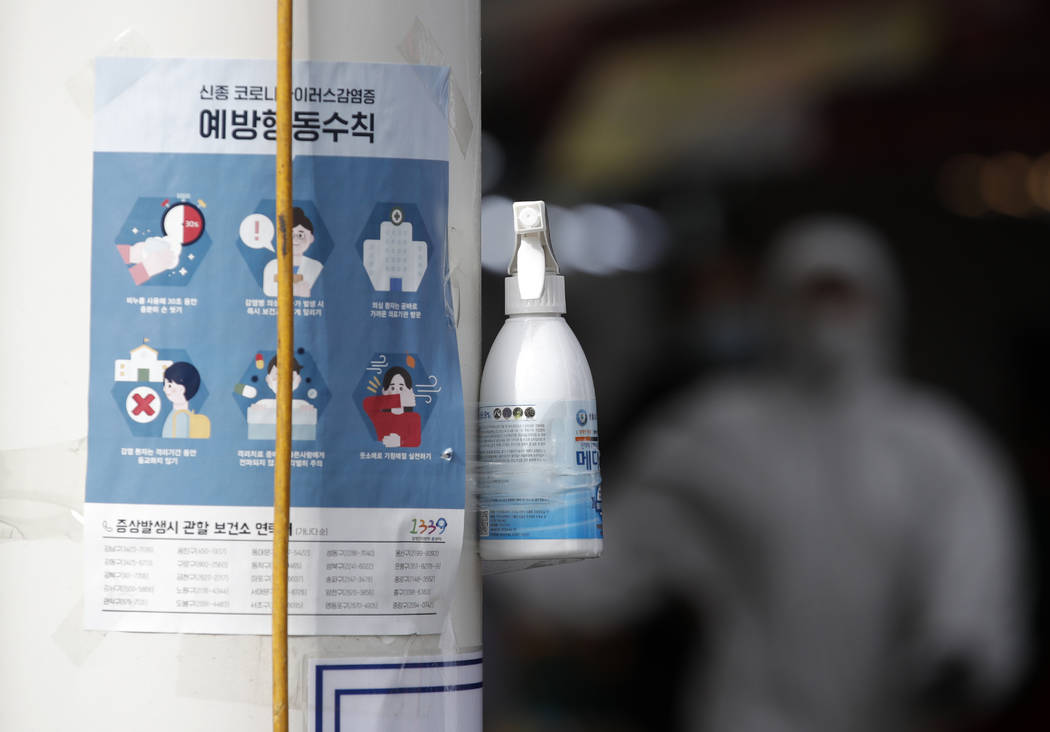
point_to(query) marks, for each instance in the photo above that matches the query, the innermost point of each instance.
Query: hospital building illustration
(395, 257)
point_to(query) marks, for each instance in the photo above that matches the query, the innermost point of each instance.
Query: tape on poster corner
(420, 47)
(447, 640)
(71, 637)
(42, 491)
(81, 84)
(459, 118)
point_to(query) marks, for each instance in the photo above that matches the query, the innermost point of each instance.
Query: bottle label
(539, 471)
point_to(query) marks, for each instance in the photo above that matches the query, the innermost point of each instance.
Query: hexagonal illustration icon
(163, 241)
(257, 237)
(160, 393)
(395, 397)
(256, 395)
(394, 248)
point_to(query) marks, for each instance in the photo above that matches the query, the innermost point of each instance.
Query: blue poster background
(223, 338)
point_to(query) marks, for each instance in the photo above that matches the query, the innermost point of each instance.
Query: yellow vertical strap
(285, 339)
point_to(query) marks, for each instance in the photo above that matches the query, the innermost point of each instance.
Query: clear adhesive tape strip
(420, 47)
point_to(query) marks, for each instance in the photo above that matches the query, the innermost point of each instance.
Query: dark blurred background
(672, 141)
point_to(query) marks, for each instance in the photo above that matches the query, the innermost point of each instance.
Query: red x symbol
(142, 404)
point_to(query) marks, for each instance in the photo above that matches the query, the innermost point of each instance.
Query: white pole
(55, 675)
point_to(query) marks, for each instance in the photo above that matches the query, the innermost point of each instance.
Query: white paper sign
(433, 693)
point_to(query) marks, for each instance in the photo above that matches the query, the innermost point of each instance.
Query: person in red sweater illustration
(393, 414)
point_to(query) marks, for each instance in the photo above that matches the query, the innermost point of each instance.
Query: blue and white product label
(183, 382)
(540, 476)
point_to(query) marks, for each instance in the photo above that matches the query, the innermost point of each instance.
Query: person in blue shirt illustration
(306, 270)
(181, 383)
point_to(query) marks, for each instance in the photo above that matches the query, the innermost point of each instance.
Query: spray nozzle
(533, 258)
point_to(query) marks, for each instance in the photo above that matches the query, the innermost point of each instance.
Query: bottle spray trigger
(533, 258)
(539, 482)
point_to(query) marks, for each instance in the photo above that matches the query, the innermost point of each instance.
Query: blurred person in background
(848, 540)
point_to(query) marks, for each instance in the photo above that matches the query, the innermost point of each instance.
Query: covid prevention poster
(183, 380)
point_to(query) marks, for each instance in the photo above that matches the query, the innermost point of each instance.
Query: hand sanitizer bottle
(540, 486)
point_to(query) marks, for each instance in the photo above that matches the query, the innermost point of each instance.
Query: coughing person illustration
(181, 383)
(262, 415)
(393, 414)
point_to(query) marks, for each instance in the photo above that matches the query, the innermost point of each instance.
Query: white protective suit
(850, 539)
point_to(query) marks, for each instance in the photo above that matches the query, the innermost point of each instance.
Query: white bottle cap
(534, 285)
